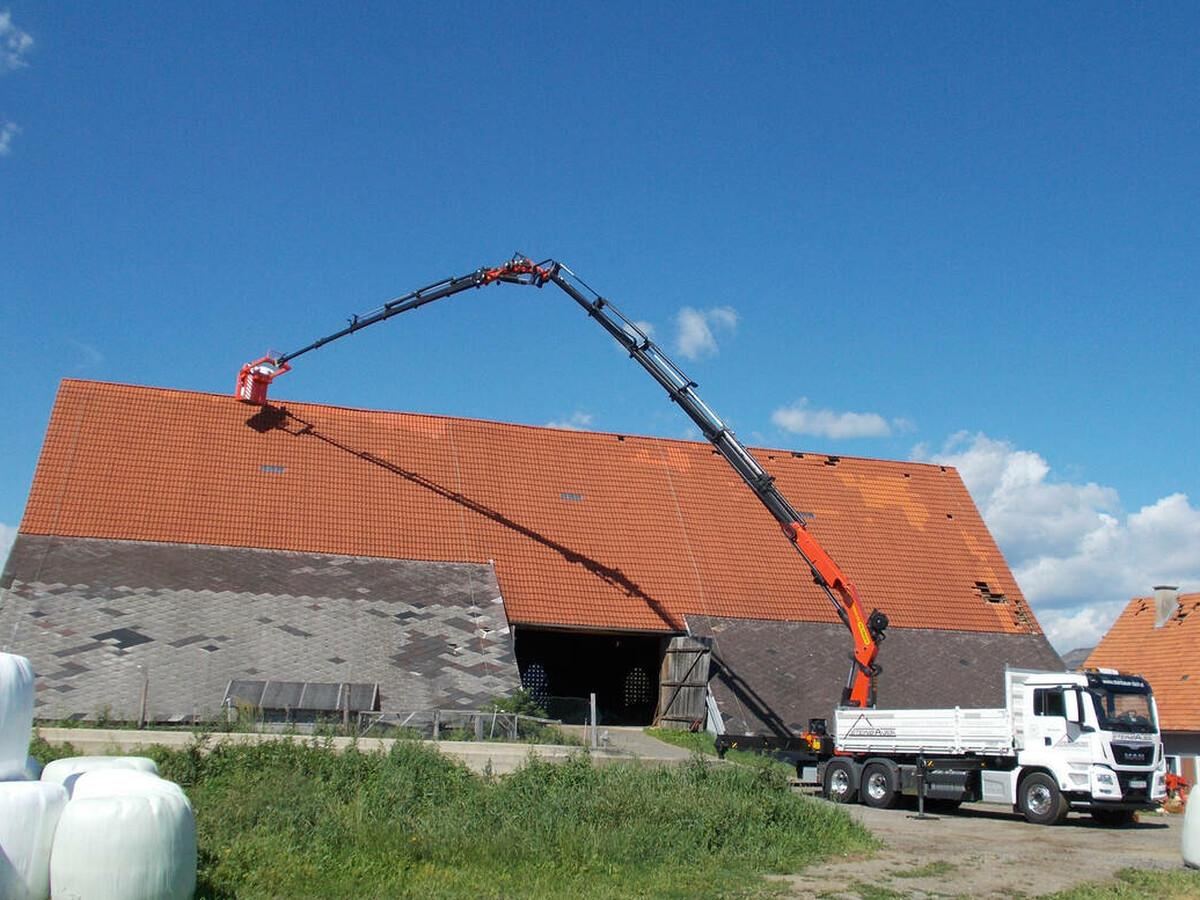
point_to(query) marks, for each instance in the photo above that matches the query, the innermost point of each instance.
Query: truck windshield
(1122, 708)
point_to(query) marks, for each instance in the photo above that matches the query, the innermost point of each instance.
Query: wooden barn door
(683, 687)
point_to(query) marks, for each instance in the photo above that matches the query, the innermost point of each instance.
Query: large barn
(175, 542)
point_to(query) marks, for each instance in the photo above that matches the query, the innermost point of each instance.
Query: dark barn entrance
(561, 668)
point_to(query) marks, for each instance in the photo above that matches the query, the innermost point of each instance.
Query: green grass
(291, 820)
(864, 891)
(702, 742)
(929, 870)
(696, 741)
(1136, 884)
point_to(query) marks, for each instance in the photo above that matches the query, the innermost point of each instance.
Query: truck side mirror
(1071, 705)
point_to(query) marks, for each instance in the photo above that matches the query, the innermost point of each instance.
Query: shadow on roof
(280, 418)
(748, 698)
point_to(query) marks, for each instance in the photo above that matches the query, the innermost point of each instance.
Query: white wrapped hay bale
(125, 835)
(124, 783)
(16, 714)
(1191, 830)
(33, 769)
(29, 815)
(67, 771)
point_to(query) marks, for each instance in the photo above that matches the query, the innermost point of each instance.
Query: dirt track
(987, 851)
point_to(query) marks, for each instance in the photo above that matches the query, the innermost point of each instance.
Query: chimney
(1166, 601)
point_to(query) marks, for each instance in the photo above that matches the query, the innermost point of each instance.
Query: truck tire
(1040, 800)
(1113, 818)
(879, 788)
(839, 782)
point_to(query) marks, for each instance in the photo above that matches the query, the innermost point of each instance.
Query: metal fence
(455, 725)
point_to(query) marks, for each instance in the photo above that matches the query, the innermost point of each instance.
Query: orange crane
(866, 631)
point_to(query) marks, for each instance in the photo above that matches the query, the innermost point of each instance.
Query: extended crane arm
(867, 632)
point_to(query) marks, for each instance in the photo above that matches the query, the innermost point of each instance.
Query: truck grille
(1133, 754)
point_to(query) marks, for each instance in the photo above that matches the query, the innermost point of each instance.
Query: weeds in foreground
(284, 819)
(702, 742)
(1136, 884)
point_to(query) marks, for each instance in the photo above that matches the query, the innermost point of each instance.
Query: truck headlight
(1160, 786)
(1104, 783)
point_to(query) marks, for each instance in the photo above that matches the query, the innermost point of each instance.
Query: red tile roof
(1167, 657)
(586, 529)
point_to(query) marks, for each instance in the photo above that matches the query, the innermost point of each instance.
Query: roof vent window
(574, 498)
(272, 470)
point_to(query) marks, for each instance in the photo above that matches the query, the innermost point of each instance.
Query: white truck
(1084, 741)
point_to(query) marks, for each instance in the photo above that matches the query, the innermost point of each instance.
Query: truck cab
(1094, 733)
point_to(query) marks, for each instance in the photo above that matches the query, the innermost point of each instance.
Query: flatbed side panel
(924, 731)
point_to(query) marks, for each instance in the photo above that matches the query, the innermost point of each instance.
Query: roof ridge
(590, 433)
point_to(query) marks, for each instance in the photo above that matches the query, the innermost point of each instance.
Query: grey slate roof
(772, 677)
(94, 615)
(1073, 659)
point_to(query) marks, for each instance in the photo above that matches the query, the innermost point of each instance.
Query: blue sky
(974, 227)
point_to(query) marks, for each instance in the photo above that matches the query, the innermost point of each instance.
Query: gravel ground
(984, 850)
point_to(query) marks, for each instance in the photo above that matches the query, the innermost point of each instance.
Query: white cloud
(1078, 627)
(14, 44)
(85, 355)
(799, 419)
(695, 336)
(8, 131)
(1076, 553)
(8, 534)
(577, 421)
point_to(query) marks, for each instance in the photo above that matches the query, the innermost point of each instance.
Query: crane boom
(866, 631)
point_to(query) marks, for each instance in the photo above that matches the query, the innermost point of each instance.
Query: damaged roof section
(587, 530)
(186, 619)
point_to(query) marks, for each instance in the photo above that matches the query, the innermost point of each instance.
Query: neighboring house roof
(586, 529)
(1167, 657)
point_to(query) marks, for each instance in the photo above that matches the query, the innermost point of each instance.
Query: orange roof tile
(1166, 657)
(586, 529)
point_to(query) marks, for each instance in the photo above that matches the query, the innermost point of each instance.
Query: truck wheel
(839, 782)
(1041, 802)
(879, 788)
(1113, 818)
